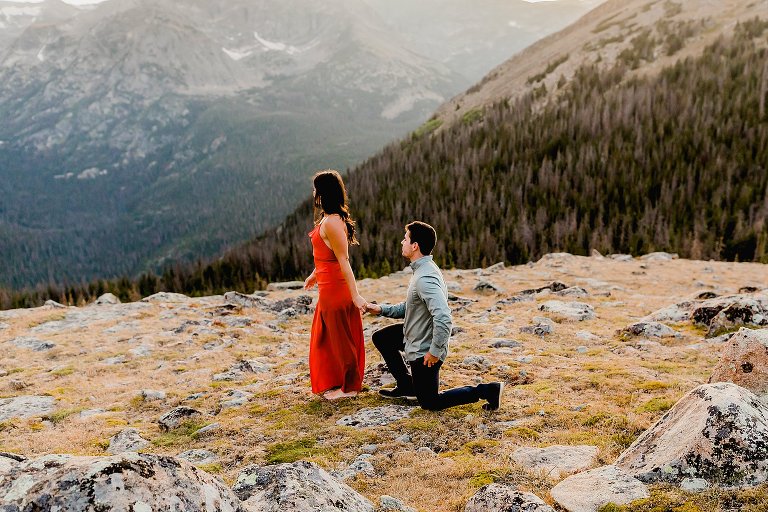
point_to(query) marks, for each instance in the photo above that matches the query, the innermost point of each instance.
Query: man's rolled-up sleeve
(393, 310)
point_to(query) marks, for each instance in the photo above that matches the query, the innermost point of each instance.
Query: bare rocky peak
(646, 35)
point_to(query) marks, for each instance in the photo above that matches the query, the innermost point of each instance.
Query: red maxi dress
(337, 345)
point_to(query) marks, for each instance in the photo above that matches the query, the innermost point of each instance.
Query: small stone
(207, 430)
(127, 440)
(150, 394)
(107, 298)
(198, 457)
(286, 285)
(694, 484)
(487, 286)
(505, 498)
(175, 417)
(376, 416)
(369, 448)
(390, 504)
(405, 439)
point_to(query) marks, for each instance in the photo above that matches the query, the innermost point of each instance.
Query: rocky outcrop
(556, 461)
(298, 487)
(129, 481)
(717, 433)
(588, 491)
(744, 361)
(504, 498)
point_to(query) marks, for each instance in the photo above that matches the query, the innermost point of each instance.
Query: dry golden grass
(604, 394)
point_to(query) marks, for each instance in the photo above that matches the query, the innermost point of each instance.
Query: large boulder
(129, 481)
(503, 498)
(724, 313)
(588, 491)
(717, 433)
(298, 487)
(744, 361)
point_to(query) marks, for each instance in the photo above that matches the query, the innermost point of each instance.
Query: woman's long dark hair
(331, 198)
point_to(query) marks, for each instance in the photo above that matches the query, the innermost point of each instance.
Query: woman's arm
(310, 281)
(336, 232)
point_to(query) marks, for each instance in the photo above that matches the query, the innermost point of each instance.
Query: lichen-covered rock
(556, 460)
(504, 498)
(127, 440)
(676, 313)
(717, 432)
(575, 311)
(175, 417)
(32, 343)
(590, 490)
(8, 461)
(376, 416)
(727, 312)
(25, 406)
(650, 330)
(129, 481)
(298, 487)
(744, 361)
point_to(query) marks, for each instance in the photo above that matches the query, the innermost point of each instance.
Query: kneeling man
(423, 336)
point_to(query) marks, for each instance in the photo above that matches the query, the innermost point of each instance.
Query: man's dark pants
(423, 381)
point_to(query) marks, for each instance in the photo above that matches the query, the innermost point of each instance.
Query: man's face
(409, 248)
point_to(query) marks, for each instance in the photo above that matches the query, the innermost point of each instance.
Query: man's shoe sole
(404, 397)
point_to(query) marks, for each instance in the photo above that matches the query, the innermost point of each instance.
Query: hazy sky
(71, 2)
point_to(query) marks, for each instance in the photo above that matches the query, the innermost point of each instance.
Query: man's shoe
(398, 393)
(495, 390)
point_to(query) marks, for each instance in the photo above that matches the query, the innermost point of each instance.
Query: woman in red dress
(336, 348)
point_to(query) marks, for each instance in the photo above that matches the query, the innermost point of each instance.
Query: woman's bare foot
(335, 394)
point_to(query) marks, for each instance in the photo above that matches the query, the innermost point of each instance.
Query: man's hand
(430, 360)
(373, 309)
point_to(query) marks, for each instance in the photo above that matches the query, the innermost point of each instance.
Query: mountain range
(136, 134)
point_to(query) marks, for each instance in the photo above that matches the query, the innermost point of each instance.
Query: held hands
(430, 360)
(359, 303)
(373, 309)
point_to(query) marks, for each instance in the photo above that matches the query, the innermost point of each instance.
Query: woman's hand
(310, 282)
(359, 303)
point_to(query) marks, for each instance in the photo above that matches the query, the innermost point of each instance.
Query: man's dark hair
(424, 235)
